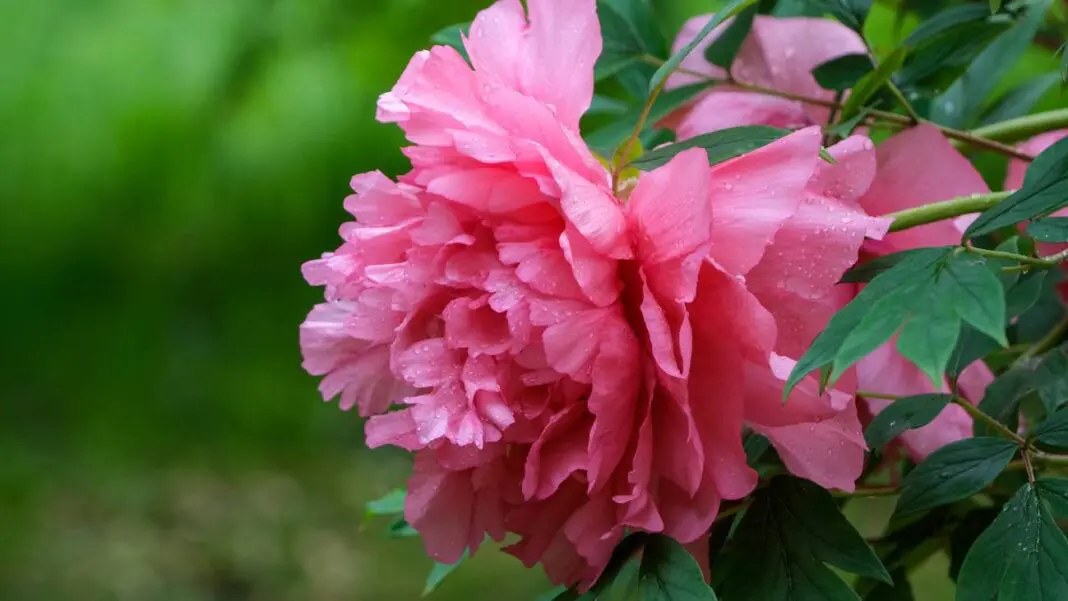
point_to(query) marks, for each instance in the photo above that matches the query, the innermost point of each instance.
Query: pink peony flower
(565, 363)
(779, 53)
(916, 167)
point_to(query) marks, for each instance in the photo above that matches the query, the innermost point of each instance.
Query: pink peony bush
(565, 361)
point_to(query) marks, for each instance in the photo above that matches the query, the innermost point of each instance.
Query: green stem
(1024, 127)
(947, 209)
(875, 491)
(1045, 262)
(979, 415)
(904, 102)
(1046, 343)
(620, 160)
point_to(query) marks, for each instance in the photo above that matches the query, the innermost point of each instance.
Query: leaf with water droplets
(1022, 555)
(906, 413)
(954, 472)
(1050, 229)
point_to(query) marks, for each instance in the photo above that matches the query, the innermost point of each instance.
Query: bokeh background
(165, 168)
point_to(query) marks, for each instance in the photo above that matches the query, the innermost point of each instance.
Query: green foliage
(724, 49)
(1045, 191)
(1054, 431)
(730, 9)
(954, 472)
(453, 36)
(439, 573)
(906, 413)
(843, 73)
(669, 573)
(871, 83)
(1021, 556)
(852, 13)
(721, 145)
(1050, 229)
(783, 542)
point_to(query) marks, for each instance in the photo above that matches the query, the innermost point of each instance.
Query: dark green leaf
(1027, 291)
(1020, 100)
(995, 6)
(755, 446)
(852, 13)
(1023, 555)
(629, 32)
(401, 529)
(731, 8)
(557, 594)
(866, 271)
(669, 573)
(944, 22)
(439, 573)
(1050, 229)
(391, 503)
(621, 555)
(938, 63)
(1045, 190)
(929, 338)
(784, 539)
(971, 346)
(1051, 378)
(1055, 492)
(842, 73)
(1054, 431)
(962, 103)
(975, 294)
(954, 472)
(904, 414)
(920, 266)
(723, 49)
(900, 590)
(453, 36)
(1064, 63)
(872, 83)
(844, 129)
(608, 138)
(963, 537)
(881, 322)
(721, 145)
(604, 105)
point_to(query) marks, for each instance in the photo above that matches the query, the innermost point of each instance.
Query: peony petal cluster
(567, 361)
(913, 168)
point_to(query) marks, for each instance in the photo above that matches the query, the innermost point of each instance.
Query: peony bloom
(917, 167)
(779, 53)
(567, 363)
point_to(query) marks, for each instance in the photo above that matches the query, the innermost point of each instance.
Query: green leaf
(1055, 492)
(628, 32)
(954, 472)
(881, 322)
(1050, 229)
(556, 594)
(995, 6)
(1045, 191)
(920, 266)
(731, 8)
(945, 22)
(866, 271)
(962, 103)
(1022, 555)
(721, 145)
(842, 73)
(1020, 100)
(1026, 293)
(852, 13)
(971, 346)
(392, 503)
(780, 548)
(930, 337)
(907, 413)
(621, 555)
(439, 573)
(1054, 431)
(872, 83)
(900, 590)
(605, 105)
(669, 573)
(401, 529)
(1064, 63)
(606, 139)
(452, 36)
(724, 49)
(975, 294)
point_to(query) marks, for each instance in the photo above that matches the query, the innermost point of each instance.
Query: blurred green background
(165, 168)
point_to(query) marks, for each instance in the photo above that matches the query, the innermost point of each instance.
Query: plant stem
(930, 213)
(878, 395)
(1024, 127)
(875, 491)
(955, 134)
(625, 150)
(904, 102)
(980, 415)
(1046, 343)
(1045, 262)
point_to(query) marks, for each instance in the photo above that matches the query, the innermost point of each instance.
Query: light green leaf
(391, 503)
(731, 8)
(995, 6)
(439, 573)
(1045, 191)
(872, 83)
(1020, 100)
(929, 338)
(954, 472)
